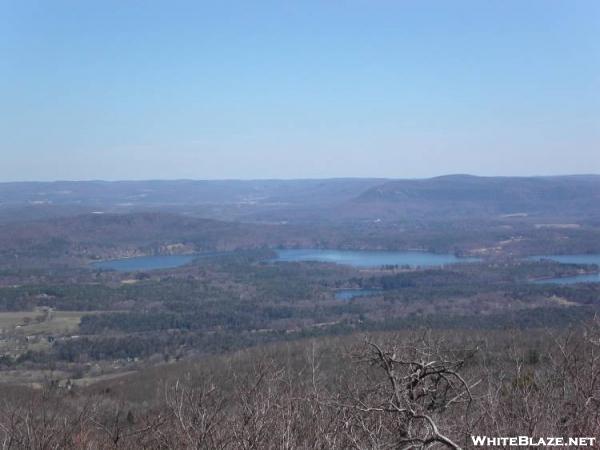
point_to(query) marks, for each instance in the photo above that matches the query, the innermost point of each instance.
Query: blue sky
(282, 89)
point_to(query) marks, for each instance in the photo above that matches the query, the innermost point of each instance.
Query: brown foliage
(411, 391)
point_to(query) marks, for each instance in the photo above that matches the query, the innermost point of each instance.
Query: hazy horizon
(108, 180)
(195, 90)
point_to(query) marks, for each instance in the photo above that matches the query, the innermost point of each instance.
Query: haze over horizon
(133, 179)
(195, 90)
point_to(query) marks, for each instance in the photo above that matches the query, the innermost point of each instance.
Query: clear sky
(122, 89)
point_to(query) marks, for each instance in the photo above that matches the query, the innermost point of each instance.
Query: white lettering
(527, 441)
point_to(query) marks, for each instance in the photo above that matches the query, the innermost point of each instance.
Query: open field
(41, 322)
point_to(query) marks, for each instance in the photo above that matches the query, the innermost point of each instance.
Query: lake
(369, 258)
(144, 263)
(349, 294)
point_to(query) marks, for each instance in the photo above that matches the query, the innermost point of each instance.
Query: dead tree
(417, 387)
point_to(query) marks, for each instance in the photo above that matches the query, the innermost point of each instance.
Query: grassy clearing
(32, 378)
(38, 322)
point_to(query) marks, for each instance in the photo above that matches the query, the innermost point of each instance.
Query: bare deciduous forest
(299, 225)
(235, 347)
(419, 389)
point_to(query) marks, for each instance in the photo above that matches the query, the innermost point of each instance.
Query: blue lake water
(144, 263)
(349, 294)
(368, 258)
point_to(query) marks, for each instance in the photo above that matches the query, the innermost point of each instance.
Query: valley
(149, 295)
(151, 283)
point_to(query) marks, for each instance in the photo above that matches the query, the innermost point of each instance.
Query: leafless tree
(414, 386)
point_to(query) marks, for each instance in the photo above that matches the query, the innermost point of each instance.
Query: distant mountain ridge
(189, 192)
(464, 194)
(468, 187)
(450, 196)
(472, 188)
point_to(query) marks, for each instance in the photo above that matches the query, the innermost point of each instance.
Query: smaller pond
(349, 294)
(144, 263)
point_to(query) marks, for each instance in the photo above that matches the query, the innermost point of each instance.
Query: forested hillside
(565, 197)
(235, 346)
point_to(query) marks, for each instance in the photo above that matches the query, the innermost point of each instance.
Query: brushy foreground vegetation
(414, 389)
(235, 351)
